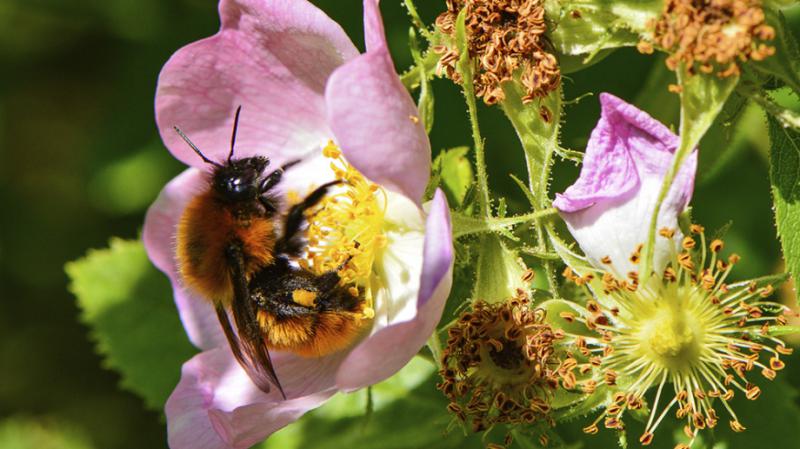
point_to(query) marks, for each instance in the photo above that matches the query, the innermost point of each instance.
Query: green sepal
(555, 307)
(785, 63)
(127, 303)
(702, 99)
(539, 139)
(773, 280)
(499, 271)
(425, 102)
(457, 174)
(579, 264)
(411, 8)
(589, 28)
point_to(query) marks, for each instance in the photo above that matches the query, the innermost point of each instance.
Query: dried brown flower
(500, 365)
(712, 35)
(503, 36)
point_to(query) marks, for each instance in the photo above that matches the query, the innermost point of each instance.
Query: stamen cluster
(503, 37)
(347, 226)
(690, 329)
(501, 366)
(712, 35)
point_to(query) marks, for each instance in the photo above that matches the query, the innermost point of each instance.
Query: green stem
(480, 158)
(415, 19)
(464, 67)
(786, 117)
(539, 254)
(466, 225)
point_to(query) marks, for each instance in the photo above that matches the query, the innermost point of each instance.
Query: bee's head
(235, 180)
(240, 179)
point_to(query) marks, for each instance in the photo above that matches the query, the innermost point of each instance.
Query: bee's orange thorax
(205, 231)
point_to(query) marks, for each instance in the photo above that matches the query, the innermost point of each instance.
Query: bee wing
(247, 342)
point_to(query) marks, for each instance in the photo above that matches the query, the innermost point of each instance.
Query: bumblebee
(305, 313)
(233, 250)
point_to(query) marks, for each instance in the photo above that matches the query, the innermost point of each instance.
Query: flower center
(500, 365)
(686, 327)
(672, 337)
(346, 229)
(508, 357)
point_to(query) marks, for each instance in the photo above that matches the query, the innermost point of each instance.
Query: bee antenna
(194, 147)
(233, 135)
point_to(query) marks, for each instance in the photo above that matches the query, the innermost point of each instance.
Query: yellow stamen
(346, 230)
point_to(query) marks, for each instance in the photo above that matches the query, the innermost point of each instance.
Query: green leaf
(128, 306)
(28, 433)
(767, 418)
(785, 180)
(415, 373)
(417, 418)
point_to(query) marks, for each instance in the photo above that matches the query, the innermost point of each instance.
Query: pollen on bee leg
(368, 313)
(304, 297)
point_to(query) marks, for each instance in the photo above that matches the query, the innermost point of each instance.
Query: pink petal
(609, 170)
(388, 350)
(272, 58)
(374, 34)
(608, 209)
(215, 405)
(197, 314)
(374, 119)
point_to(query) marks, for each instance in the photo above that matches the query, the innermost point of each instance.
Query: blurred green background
(80, 161)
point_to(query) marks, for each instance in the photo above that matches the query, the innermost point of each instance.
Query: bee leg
(328, 280)
(252, 352)
(290, 242)
(270, 181)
